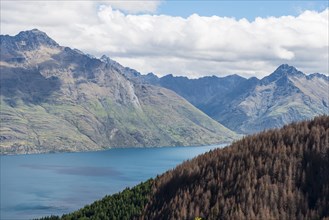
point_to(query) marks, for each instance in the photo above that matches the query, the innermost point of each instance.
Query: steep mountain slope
(285, 96)
(252, 105)
(201, 91)
(54, 98)
(278, 174)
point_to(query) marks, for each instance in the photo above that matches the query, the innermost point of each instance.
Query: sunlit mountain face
(55, 98)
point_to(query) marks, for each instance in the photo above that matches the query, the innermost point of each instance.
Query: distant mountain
(55, 98)
(278, 174)
(252, 105)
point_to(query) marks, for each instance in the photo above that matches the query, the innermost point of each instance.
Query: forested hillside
(278, 174)
(128, 204)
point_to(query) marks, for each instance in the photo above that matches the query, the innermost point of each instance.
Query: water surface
(43, 184)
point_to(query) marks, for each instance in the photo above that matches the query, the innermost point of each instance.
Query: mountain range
(251, 105)
(55, 98)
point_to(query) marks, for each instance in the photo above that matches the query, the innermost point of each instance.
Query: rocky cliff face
(285, 96)
(55, 98)
(252, 105)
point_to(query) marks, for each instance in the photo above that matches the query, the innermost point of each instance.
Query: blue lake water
(43, 184)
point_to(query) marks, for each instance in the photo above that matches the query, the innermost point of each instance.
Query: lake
(43, 184)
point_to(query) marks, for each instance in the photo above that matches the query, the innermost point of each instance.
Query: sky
(187, 38)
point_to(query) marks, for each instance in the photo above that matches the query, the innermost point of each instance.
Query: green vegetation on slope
(102, 123)
(60, 99)
(278, 174)
(125, 205)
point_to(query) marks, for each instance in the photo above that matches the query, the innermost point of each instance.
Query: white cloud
(192, 46)
(135, 6)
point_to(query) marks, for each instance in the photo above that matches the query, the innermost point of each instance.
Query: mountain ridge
(252, 105)
(55, 98)
(243, 105)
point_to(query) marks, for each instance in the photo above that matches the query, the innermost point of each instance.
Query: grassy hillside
(102, 123)
(57, 99)
(278, 174)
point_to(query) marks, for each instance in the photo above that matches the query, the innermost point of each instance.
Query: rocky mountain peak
(283, 71)
(28, 40)
(36, 38)
(169, 76)
(105, 59)
(318, 75)
(151, 78)
(286, 68)
(108, 60)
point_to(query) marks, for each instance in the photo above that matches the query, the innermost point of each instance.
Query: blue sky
(239, 9)
(186, 39)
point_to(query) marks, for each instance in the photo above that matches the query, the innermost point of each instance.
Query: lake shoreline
(100, 150)
(37, 185)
